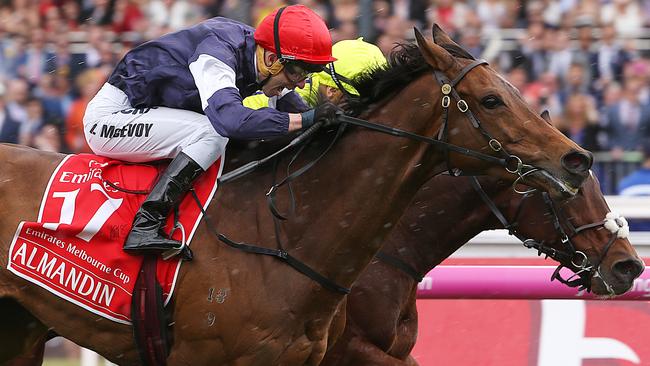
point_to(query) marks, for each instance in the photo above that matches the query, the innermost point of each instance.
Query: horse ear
(441, 37)
(547, 117)
(436, 56)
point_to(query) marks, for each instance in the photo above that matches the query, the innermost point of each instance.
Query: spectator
(63, 61)
(34, 122)
(53, 22)
(610, 58)
(560, 52)
(48, 138)
(126, 17)
(395, 29)
(16, 55)
(97, 12)
(586, 13)
(552, 12)
(471, 41)
(262, 8)
(71, 14)
(33, 65)
(96, 38)
(448, 14)
(411, 10)
(628, 120)
(624, 16)
(9, 128)
(638, 70)
(580, 122)
(585, 54)
(575, 82)
(638, 183)
(171, 15)
(17, 95)
(107, 57)
(89, 82)
(544, 94)
(491, 13)
(532, 50)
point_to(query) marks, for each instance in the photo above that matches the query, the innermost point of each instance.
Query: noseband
(568, 257)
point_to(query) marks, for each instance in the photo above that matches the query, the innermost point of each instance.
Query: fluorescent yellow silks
(353, 58)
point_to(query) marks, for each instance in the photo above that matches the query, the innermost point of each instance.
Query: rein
(511, 163)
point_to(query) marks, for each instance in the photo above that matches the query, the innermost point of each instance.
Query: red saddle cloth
(75, 248)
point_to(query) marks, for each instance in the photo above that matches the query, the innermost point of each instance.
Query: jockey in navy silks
(180, 97)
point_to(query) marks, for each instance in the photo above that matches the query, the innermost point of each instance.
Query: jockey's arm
(215, 78)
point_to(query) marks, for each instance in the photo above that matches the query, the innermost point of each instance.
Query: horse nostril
(578, 161)
(628, 269)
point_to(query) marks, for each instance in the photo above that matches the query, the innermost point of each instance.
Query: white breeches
(116, 130)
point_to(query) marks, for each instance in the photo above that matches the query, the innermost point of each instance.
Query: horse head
(582, 234)
(466, 90)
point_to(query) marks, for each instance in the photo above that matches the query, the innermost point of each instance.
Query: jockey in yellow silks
(354, 57)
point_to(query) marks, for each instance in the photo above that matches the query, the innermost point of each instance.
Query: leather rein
(511, 163)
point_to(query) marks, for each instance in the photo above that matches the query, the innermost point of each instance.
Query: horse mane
(405, 64)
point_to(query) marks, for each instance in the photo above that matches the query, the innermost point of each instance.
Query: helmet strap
(339, 80)
(267, 71)
(276, 33)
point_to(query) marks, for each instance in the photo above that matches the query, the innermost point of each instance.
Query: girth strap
(280, 254)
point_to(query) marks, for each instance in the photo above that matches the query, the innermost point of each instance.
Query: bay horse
(345, 206)
(381, 327)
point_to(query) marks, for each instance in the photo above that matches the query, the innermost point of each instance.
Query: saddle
(74, 248)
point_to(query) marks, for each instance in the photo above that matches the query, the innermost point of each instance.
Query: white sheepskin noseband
(617, 224)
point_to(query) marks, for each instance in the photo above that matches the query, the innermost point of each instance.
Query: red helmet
(296, 33)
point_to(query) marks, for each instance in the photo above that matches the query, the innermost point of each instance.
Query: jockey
(180, 97)
(353, 58)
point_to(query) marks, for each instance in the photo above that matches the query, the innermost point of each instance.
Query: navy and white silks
(184, 92)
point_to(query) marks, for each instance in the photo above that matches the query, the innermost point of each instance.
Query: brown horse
(381, 326)
(273, 314)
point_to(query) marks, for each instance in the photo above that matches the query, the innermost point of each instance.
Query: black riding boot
(174, 182)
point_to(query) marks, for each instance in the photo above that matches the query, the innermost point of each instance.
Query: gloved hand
(325, 112)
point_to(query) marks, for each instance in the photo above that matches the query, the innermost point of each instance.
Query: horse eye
(491, 102)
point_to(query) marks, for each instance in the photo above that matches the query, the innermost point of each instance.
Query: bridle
(568, 257)
(511, 163)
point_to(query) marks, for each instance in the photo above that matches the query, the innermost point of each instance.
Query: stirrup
(184, 250)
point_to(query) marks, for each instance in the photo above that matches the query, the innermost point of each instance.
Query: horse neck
(357, 193)
(444, 215)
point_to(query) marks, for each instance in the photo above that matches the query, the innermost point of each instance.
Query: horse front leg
(22, 336)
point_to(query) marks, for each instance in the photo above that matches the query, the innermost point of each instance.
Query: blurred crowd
(583, 60)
